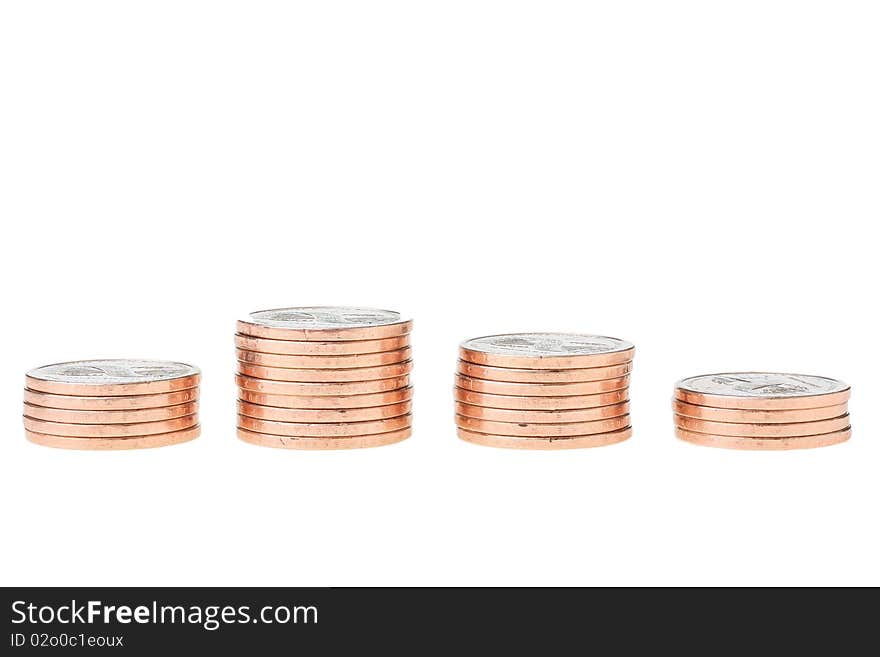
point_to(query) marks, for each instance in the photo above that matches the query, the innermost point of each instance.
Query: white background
(699, 178)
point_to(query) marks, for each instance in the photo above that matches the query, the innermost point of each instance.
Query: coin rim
(321, 348)
(339, 334)
(763, 404)
(542, 403)
(542, 389)
(326, 362)
(195, 370)
(791, 402)
(325, 375)
(296, 401)
(131, 416)
(520, 429)
(115, 444)
(119, 402)
(289, 414)
(119, 430)
(519, 375)
(323, 444)
(764, 430)
(358, 428)
(463, 343)
(758, 416)
(763, 444)
(534, 417)
(580, 361)
(318, 389)
(113, 389)
(556, 443)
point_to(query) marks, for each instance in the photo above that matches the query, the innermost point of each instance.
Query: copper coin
(313, 415)
(541, 403)
(540, 389)
(763, 430)
(293, 348)
(110, 430)
(129, 442)
(121, 403)
(328, 402)
(324, 323)
(324, 430)
(110, 417)
(325, 362)
(325, 376)
(542, 417)
(739, 442)
(748, 416)
(111, 378)
(546, 351)
(762, 391)
(321, 389)
(542, 430)
(523, 442)
(543, 376)
(342, 442)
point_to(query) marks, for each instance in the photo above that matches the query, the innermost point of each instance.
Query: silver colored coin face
(546, 344)
(113, 371)
(324, 317)
(762, 384)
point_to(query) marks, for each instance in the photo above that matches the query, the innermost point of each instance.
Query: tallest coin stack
(324, 378)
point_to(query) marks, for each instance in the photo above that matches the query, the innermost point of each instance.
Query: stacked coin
(761, 411)
(324, 378)
(112, 404)
(543, 390)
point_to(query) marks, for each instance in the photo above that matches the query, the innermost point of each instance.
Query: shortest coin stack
(543, 390)
(112, 404)
(324, 378)
(762, 411)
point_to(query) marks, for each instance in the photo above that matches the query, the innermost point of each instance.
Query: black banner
(413, 621)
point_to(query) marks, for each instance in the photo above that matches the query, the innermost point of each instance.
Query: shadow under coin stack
(324, 378)
(112, 404)
(543, 390)
(761, 411)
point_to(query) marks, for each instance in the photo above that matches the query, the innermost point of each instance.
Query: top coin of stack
(543, 390)
(112, 404)
(762, 411)
(324, 378)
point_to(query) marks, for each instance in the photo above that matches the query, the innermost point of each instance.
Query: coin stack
(324, 378)
(761, 411)
(543, 390)
(112, 404)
